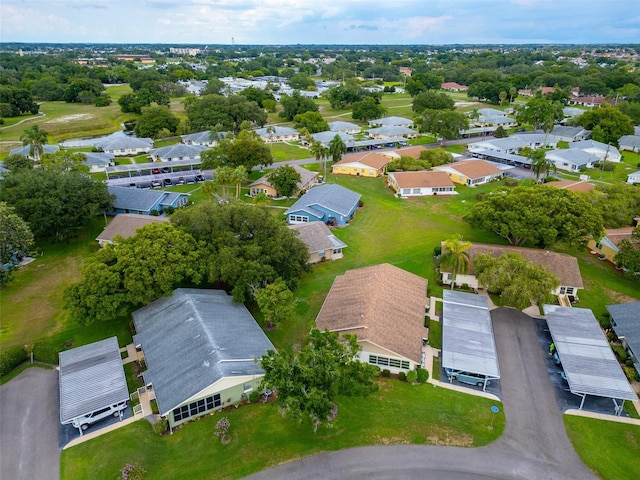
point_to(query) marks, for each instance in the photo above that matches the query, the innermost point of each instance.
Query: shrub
(10, 358)
(254, 396)
(412, 376)
(402, 376)
(46, 353)
(437, 251)
(222, 427)
(386, 373)
(605, 322)
(423, 375)
(620, 352)
(132, 471)
(161, 426)
(169, 209)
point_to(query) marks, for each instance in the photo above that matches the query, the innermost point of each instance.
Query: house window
(344, 168)
(390, 362)
(566, 290)
(372, 172)
(599, 246)
(416, 191)
(247, 387)
(406, 191)
(298, 219)
(196, 408)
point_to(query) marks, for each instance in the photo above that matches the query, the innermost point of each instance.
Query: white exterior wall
(369, 348)
(633, 178)
(423, 192)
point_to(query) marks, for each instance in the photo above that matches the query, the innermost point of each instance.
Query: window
(196, 408)
(247, 387)
(372, 172)
(298, 218)
(599, 246)
(406, 191)
(416, 191)
(391, 362)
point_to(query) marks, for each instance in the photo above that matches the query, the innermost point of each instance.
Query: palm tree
(540, 165)
(337, 148)
(271, 131)
(224, 177)
(455, 257)
(36, 139)
(238, 177)
(319, 152)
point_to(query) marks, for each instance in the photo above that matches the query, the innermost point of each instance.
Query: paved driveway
(534, 445)
(29, 426)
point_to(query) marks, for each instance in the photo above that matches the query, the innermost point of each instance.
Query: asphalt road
(29, 426)
(534, 444)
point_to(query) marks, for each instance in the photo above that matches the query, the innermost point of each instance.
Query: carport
(589, 364)
(467, 335)
(91, 378)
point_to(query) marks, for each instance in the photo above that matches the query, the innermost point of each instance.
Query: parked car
(167, 182)
(469, 378)
(156, 183)
(87, 420)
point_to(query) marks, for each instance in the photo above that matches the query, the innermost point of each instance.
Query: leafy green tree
(421, 82)
(154, 119)
(36, 139)
(347, 94)
(320, 152)
(246, 149)
(367, 109)
(607, 124)
(308, 381)
(541, 215)
(500, 132)
(432, 101)
(246, 246)
(227, 113)
(455, 257)
(17, 162)
(285, 180)
(209, 188)
(15, 235)
(56, 204)
(64, 160)
(436, 156)
(239, 177)
(134, 272)
(301, 81)
(540, 113)
(223, 177)
(618, 203)
(296, 104)
(257, 95)
(519, 282)
(16, 101)
(276, 302)
(312, 121)
(540, 165)
(337, 148)
(445, 124)
(215, 86)
(628, 256)
(76, 88)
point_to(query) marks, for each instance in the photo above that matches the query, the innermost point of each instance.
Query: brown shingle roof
(305, 177)
(126, 225)
(370, 159)
(574, 186)
(422, 179)
(382, 304)
(565, 267)
(616, 234)
(474, 168)
(413, 152)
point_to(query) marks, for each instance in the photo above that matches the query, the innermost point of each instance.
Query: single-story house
(570, 134)
(120, 144)
(633, 177)
(323, 245)
(592, 101)
(565, 267)
(345, 127)
(495, 120)
(453, 87)
(25, 151)
(490, 112)
(364, 164)
(205, 138)
(515, 143)
(202, 352)
(572, 111)
(471, 172)
(601, 150)
(384, 306)
(421, 183)
(92, 378)
(630, 143)
(573, 185)
(274, 133)
(392, 131)
(571, 159)
(329, 203)
(98, 161)
(413, 152)
(178, 151)
(143, 201)
(325, 137)
(607, 247)
(125, 226)
(389, 121)
(625, 321)
(262, 185)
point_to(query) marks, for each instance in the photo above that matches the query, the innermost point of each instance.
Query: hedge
(10, 358)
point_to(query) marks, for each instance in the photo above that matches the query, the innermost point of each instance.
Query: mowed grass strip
(397, 414)
(610, 449)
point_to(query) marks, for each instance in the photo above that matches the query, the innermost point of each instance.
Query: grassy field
(397, 414)
(611, 449)
(285, 151)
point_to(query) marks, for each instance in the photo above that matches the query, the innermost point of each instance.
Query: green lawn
(397, 414)
(611, 449)
(284, 151)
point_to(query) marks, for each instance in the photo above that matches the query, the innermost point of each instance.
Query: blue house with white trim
(328, 203)
(143, 202)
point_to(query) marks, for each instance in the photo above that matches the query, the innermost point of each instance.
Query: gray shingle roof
(120, 141)
(630, 141)
(202, 137)
(178, 150)
(331, 196)
(627, 323)
(91, 378)
(98, 158)
(391, 121)
(563, 131)
(575, 156)
(326, 137)
(195, 338)
(587, 359)
(135, 198)
(278, 131)
(392, 130)
(584, 144)
(26, 149)
(343, 126)
(317, 236)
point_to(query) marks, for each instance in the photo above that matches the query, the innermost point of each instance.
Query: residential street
(534, 445)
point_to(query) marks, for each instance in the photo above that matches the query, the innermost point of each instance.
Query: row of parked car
(170, 181)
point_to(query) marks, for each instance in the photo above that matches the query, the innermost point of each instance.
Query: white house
(571, 159)
(421, 183)
(630, 143)
(346, 127)
(633, 177)
(601, 150)
(390, 121)
(179, 151)
(274, 133)
(570, 134)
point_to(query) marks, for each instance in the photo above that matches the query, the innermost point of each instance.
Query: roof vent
(206, 363)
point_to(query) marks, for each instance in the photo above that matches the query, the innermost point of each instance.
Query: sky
(285, 22)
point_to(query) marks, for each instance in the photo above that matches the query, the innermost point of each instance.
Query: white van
(84, 422)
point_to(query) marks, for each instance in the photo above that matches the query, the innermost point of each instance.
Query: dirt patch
(72, 118)
(631, 439)
(443, 436)
(465, 104)
(392, 441)
(619, 297)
